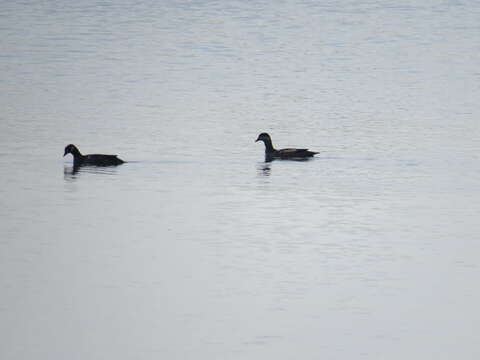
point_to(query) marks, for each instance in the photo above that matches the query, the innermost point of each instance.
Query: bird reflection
(69, 172)
(73, 172)
(264, 169)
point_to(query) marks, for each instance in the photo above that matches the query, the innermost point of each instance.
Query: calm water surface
(197, 248)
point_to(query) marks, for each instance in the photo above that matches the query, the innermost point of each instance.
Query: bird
(271, 153)
(92, 159)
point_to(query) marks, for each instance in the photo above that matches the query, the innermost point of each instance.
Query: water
(196, 248)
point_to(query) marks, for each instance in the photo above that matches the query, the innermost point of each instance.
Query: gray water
(198, 249)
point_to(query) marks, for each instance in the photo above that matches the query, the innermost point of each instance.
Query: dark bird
(271, 153)
(92, 159)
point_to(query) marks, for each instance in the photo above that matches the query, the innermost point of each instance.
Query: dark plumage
(93, 159)
(271, 153)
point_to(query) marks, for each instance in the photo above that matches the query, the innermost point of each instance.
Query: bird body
(91, 159)
(290, 153)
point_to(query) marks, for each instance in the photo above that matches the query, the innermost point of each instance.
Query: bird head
(263, 137)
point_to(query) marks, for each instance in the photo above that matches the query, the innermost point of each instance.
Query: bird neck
(76, 153)
(268, 145)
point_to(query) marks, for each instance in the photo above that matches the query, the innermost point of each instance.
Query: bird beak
(65, 153)
(258, 139)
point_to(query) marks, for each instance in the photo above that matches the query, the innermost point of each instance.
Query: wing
(296, 153)
(100, 159)
(101, 156)
(292, 151)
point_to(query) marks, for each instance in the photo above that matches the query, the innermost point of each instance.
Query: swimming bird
(271, 153)
(92, 159)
